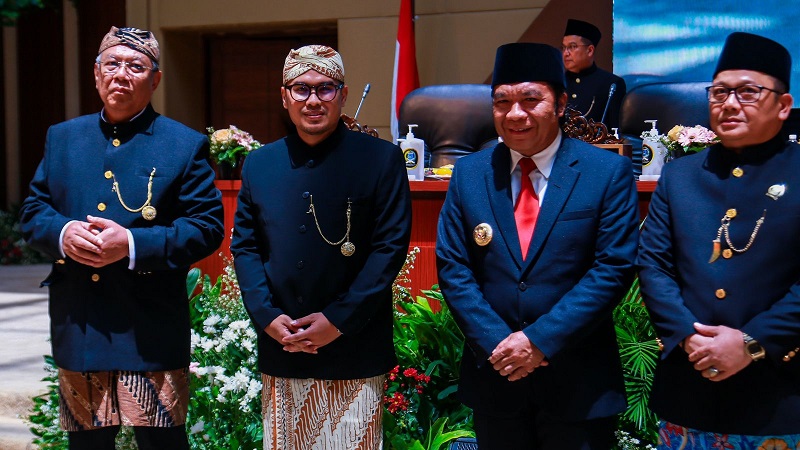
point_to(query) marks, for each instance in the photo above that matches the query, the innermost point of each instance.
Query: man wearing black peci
(589, 87)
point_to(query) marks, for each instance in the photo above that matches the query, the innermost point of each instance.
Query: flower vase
(675, 153)
(225, 171)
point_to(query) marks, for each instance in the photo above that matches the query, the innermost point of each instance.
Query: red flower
(396, 402)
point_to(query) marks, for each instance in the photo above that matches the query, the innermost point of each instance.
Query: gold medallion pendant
(148, 212)
(348, 248)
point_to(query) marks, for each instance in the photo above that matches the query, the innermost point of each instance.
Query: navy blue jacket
(113, 318)
(285, 267)
(761, 285)
(580, 263)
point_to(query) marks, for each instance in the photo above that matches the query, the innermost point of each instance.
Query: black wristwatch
(753, 348)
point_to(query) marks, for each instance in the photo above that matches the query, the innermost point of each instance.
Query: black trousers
(147, 438)
(540, 431)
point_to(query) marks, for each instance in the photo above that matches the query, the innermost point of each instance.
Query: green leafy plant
(11, 10)
(639, 349)
(225, 400)
(43, 420)
(422, 410)
(13, 248)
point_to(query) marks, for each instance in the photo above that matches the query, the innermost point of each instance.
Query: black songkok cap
(583, 29)
(745, 51)
(527, 61)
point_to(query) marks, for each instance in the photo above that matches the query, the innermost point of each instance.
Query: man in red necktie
(536, 243)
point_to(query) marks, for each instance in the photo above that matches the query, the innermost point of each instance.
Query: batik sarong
(90, 400)
(303, 414)
(674, 437)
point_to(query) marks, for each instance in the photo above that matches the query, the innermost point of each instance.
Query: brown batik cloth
(91, 400)
(301, 414)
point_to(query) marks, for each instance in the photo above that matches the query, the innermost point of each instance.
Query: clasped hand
(97, 242)
(306, 334)
(719, 347)
(515, 357)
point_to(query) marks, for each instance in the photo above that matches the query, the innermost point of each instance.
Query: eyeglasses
(746, 93)
(572, 47)
(326, 92)
(135, 69)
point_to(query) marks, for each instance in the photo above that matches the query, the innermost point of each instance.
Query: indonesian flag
(405, 78)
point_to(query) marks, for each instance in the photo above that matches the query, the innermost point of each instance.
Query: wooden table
(427, 198)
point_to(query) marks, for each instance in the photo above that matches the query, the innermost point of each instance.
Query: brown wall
(549, 25)
(95, 18)
(3, 188)
(41, 86)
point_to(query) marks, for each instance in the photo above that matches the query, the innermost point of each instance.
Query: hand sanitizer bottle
(414, 154)
(654, 153)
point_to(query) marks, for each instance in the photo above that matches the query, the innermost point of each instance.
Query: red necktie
(527, 209)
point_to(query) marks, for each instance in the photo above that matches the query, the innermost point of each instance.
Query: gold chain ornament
(148, 211)
(347, 247)
(724, 230)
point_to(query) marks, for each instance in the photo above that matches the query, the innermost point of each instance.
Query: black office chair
(454, 120)
(464, 444)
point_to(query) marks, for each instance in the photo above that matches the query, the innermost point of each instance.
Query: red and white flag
(406, 77)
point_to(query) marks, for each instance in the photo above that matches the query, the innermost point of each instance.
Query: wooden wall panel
(95, 18)
(245, 75)
(3, 188)
(41, 86)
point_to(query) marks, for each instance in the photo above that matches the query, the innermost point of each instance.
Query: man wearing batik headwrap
(124, 202)
(719, 266)
(588, 86)
(321, 231)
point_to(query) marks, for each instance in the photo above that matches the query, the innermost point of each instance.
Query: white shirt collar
(544, 159)
(103, 115)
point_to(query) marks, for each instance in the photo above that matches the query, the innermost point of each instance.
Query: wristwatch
(753, 348)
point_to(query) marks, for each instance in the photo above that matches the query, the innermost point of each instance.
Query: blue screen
(680, 40)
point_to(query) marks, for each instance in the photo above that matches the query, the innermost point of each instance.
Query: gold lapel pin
(482, 234)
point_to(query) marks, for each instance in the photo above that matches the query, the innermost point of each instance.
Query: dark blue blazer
(761, 286)
(112, 317)
(579, 265)
(284, 266)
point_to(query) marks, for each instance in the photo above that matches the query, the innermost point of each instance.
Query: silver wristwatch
(753, 348)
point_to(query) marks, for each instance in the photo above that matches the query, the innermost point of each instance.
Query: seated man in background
(594, 92)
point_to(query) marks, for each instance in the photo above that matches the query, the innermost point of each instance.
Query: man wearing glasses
(719, 266)
(124, 202)
(592, 91)
(321, 231)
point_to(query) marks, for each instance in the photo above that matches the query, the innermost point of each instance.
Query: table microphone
(363, 96)
(611, 90)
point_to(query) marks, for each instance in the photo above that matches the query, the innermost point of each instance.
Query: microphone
(363, 96)
(611, 90)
